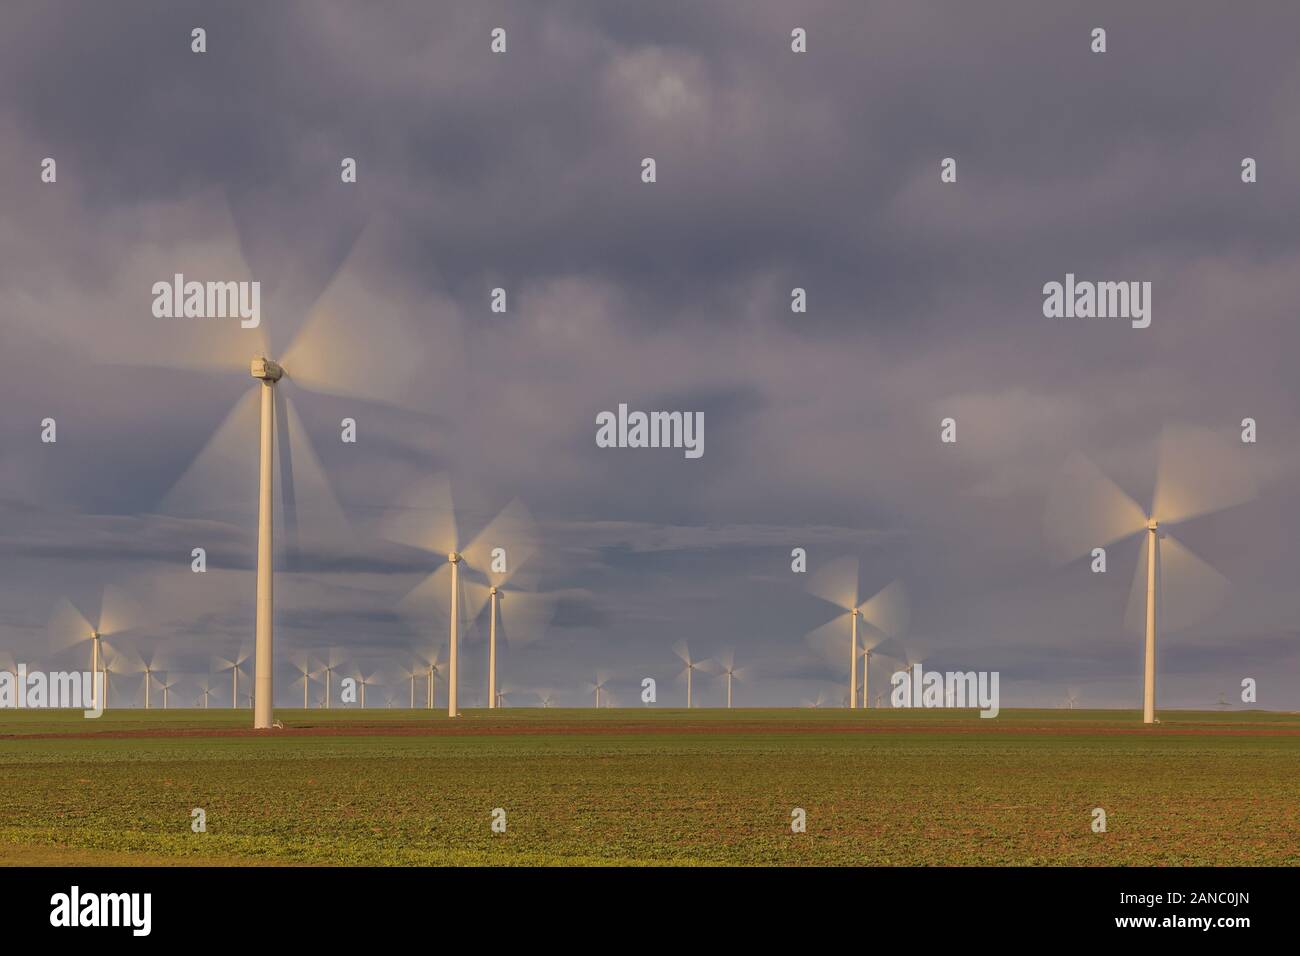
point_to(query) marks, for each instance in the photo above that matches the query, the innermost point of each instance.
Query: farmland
(648, 787)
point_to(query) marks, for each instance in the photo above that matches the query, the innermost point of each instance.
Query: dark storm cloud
(775, 170)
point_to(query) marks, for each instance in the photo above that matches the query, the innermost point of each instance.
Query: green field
(650, 787)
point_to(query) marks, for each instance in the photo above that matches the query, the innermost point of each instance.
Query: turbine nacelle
(267, 370)
(1152, 524)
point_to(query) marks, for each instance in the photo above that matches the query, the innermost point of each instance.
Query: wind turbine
(206, 689)
(333, 661)
(819, 702)
(233, 665)
(426, 519)
(346, 345)
(691, 666)
(598, 685)
(364, 681)
(728, 663)
(1196, 474)
(149, 666)
(167, 685)
(523, 618)
(302, 664)
(1072, 697)
(547, 697)
(68, 627)
(884, 613)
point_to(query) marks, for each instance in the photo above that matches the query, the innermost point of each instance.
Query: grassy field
(650, 787)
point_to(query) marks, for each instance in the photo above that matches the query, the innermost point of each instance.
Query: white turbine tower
(333, 661)
(167, 685)
(1197, 473)
(426, 519)
(234, 665)
(523, 616)
(348, 343)
(598, 685)
(69, 627)
(302, 664)
(727, 661)
(884, 615)
(689, 668)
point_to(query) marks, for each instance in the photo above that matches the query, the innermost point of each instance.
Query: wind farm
(317, 520)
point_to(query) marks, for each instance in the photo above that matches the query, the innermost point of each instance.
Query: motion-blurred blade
(308, 507)
(1198, 473)
(525, 615)
(119, 611)
(514, 533)
(1087, 510)
(356, 343)
(831, 640)
(68, 626)
(682, 651)
(424, 517)
(221, 481)
(1188, 589)
(887, 611)
(837, 582)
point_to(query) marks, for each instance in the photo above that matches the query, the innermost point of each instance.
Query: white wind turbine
(547, 697)
(167, 685)
(344, 346)
(1072, 697)
(1196, 474)
(148, 666)
(365, 680)
(819, 702)
(426, 519)
(884, 615)
(727, 661)
(205, 689)
(234, 665)
(689, 667)
(302, 664)
(523, 615)
(69, 627)
(598, 685)
(333, 661)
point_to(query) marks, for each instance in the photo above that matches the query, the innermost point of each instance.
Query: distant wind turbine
(68, 627)
(426, 519)
(691, 666)
(884, 614)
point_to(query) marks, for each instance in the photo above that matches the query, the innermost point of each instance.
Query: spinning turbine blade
(221, 481)
(837, 582)
(334, 352)
(67, 625)
(1187, 588)
(515, 532)
(831, 640)
(887, 611)
(1087, 510)
(425, 518)
(1199, 473)
(307, 498)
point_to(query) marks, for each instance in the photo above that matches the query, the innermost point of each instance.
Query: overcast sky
(775, 169)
